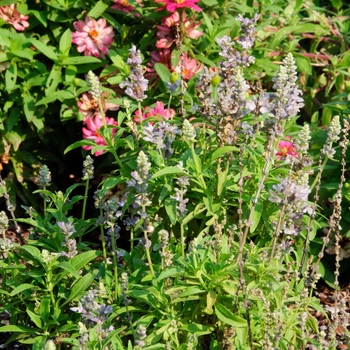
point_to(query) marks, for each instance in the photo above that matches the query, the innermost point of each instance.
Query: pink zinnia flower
(158, 112)
(93, 37)
(173, 5)
(89, 107)
(124, 6)
(286, 149)
(91, 132)
(190, 67)
(167, 31)
(11, 15)
(160, 56)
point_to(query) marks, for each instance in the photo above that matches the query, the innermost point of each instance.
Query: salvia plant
(207, 231)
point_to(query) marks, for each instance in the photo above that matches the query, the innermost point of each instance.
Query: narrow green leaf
(44, 49)
(98, 9)
(170, 170)
(59, 95)
(35, 252)
(80, 60)
(66, 42)
(35, 318)
(191, 291)
(80, 287)
(226, 316)
(21, 288)
(79, 144)
(45, 308)
(163, 72)
(81, 260)
(65, 265)
(18, 329)
(11, 76)
(172, 272)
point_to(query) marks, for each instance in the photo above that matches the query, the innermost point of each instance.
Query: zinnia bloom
(93, 37)
(190, 67)
(168, 30)
(11, 15)
(286, 149)
(91, 132)
(89, 107)
(158, 112)
(124, 6)
(160, 56)
(173, 5)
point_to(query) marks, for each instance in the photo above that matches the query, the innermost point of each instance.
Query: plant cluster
(205, 232)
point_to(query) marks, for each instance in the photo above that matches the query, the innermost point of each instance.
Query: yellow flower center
(93, 33)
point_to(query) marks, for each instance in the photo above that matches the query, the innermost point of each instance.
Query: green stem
(182, 237)
(319, 173)
(103, 244)
(84, 204)
(148, 253)
(115, 265)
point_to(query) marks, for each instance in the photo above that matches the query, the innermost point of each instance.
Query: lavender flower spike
(136, 84)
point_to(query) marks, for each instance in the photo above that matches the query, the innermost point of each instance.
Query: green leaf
(65, 265)
(44, 49)
(191, 291)
(79, 144)
(18, 329)
(172, 272)
(171, 209)
(221, 151)
(35, 252)
(11, 76)
(80, 60)
(21, 288)
(228, 317)
(256, 216)
(98, 9)
(303, 64)
(55, 77)
(81, 260)
(59, 95)
(29, 107)
(163, 72)
(170, 170)
(45, 308)
(35, 318)
(66, 42)
(80, 287)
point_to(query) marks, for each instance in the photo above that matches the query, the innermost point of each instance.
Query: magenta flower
(158, 112)
(91, 132)
(124, 6)
(160, 56)
(173, 5)
(11, 15)
(93, 37)
(286, 149)
(167, 31)
(190, 67)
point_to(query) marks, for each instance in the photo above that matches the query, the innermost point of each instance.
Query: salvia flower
(68, 229)
(4, 220)
(44, 178)
(287, 101)
(88, 168)
(188, 131)
(141, 175)
(141, 333)
(94, 84)
(173, 5)
(249, 30)
(93, 37)
(302, 141)
(136, 84)
(11, 15)
(293, 197)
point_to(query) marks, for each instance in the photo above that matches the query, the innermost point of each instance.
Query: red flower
(286, 149)
(173, 5)
(124, 6)
(167, 31)
(190, 67)
(158, 111)
(160, 56)
(91, 132)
